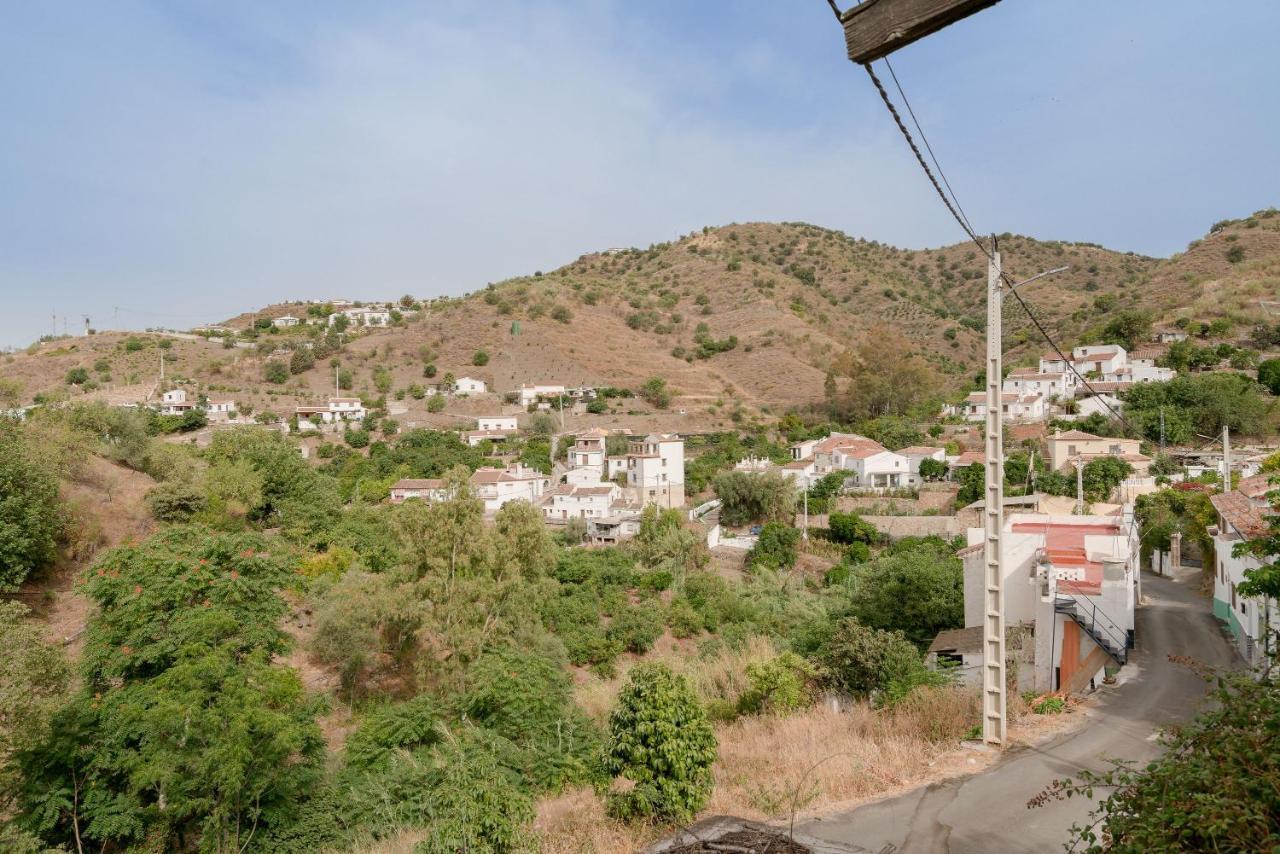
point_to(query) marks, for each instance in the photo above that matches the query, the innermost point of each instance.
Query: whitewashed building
(1242, 513)
(504, 423)
(1073, 581)
(469, 385)
(334, 410)
(423, 489)
(655, 469)
(1014, 407)
(519, 482)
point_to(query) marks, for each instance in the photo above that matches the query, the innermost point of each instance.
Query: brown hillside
(793, 295)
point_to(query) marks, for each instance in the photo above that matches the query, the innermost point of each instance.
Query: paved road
(986, 812)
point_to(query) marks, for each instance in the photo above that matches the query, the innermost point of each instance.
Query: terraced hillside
(743, 317)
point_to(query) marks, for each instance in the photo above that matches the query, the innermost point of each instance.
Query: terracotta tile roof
(1257, 486)
(1077, 436)
(968, 639)
(1240, 513)
(418, 483)
(919, 449)
(968, 458)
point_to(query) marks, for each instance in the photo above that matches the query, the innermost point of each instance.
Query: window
(1071, 450)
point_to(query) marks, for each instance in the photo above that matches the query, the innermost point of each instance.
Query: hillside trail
(107, 509)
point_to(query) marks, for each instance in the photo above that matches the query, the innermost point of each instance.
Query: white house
(1015, 407)
(528, 394)
(567, 501)
(175, 402)
(367, 316)
(424, 489)
(498, 486)
(1242, 517)
(655, 469)
(220, 408)
(1026, 382)
(870, 465)
(1169, 335)
(286, 320)
(336, 409)
(589, 452)
(475, 437)
(1073, 580)
(1105, 363)
(469, 385)
(916, 454)
(503, 423)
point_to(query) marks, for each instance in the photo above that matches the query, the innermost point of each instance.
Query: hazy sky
(185, 161)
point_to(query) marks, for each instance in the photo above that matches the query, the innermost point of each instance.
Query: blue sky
(185, 161)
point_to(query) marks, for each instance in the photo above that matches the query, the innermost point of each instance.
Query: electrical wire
(954, 209)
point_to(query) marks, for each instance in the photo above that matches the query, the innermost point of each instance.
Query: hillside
(794, 296)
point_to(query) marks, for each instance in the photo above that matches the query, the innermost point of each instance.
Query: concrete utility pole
(1226, 459)
(993, 678)
(1079, 487)
(804, 531)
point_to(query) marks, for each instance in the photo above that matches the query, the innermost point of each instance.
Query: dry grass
(722, 677)
(575, 823)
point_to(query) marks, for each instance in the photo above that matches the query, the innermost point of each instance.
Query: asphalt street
(986, 812)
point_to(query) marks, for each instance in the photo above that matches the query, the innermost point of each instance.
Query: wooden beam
(876, 28)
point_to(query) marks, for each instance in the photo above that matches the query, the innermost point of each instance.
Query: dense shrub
(636, 628)
(275, 372)
(30, 512)
(775, 548)
(860, 660)
(780, 685)
(175, 501)
(660, 740)
(754, 497)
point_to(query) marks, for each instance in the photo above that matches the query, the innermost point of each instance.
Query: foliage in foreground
(662, 745)
(1215, 788)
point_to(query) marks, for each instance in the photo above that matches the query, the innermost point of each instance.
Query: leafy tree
(1128, 328)
(931, 469)
(382, 379)
(848, 528)
(301, 360)
(1102, 475)
(917, 592)
(523, 539)
(636, 628)
(362, 621)
(656, 393)
(661, 741)
(1269, 375)
(664, 542)
(275, 372)
(754, 497)
(860, 660)
(435, 403)
(34, 679)
(175, 501)
(973, 481)
(885, 378)
(30, 513)
(775, 548)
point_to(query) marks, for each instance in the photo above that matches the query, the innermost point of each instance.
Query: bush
(275, 372)
(436, 403)
(301, 360)
(562, 314)
(846, 528)
(655, 392)
(636, 628)
(1049, 706)
(30, 513)
(175, 501)
(751, 497)
(780, 685)
(77, 376)
(661, 741)
(357, 438)
(776, 547)
(860, 660)
(480, 358)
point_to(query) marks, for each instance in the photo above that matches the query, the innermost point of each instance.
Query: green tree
(275, 372)
(860, 660)
(301, 360)
(34, 681)
(754, 497)
(1269, 375)
(1128, 328)
(656, 393)
(775, 548)
(480, 358)
(931, 469)
(524, 540)
(77, 376)
(30, 513)
(1102, 475)
(660, 740)
(917, 592)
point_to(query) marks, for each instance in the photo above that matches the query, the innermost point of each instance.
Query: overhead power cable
(953, 207)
